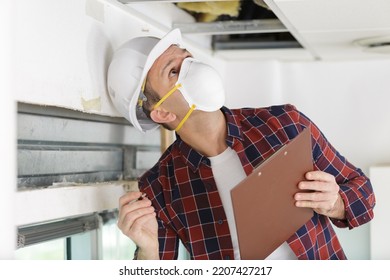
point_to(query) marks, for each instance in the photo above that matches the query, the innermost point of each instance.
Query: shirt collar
(193, 159)
(234, 129)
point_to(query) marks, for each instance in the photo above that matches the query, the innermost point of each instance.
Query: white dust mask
(200, 85)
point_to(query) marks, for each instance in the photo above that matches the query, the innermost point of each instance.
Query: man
(156, 82)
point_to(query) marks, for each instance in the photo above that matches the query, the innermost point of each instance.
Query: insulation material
(210, 11)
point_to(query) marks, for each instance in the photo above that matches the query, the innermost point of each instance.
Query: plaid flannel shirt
(189, 208)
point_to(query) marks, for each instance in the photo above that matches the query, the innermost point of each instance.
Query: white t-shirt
(228, 172)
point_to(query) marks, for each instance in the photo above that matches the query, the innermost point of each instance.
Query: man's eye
(173, 72)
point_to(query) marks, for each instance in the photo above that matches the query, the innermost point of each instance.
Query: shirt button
(226, 257)
(220, 222)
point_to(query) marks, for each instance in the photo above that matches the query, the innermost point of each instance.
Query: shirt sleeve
(168, 242)
(355, 187)
(168, 238)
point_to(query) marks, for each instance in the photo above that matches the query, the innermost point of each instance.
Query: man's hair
(151, 99)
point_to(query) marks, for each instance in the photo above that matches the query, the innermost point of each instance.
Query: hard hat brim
(137, 117)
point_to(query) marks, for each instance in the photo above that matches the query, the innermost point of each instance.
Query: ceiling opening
(246, 24)
(230, 25)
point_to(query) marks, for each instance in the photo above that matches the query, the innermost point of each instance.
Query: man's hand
(322, 195)
(137, 220)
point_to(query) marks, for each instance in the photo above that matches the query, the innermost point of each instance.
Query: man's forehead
(169, 50)
(164, 55)
(167, 56)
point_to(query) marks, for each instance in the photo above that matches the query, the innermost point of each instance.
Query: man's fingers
(311, 196)
(133, 207)
(129, 197)
(319, 176)
(313, 204)
(313, 185)
(132, 218)
(144, 219)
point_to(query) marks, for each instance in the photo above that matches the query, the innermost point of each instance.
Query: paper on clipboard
(263, 202)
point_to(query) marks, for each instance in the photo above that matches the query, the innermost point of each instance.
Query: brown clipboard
(263, 203)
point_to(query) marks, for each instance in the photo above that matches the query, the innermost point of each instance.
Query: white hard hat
(128, 69)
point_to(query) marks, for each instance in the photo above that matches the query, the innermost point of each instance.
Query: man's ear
(160, 115)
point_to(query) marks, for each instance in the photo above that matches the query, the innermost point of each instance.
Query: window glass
(50, 250)
(116, 246)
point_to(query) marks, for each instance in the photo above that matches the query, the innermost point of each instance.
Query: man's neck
(208, 136)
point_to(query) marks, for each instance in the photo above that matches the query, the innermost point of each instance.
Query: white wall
(253, 84)
(8, 141)
(348, 100)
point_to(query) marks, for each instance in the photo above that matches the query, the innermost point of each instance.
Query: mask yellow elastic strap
(143, 85)
(185, 117)
(140, 100)
(166, 96)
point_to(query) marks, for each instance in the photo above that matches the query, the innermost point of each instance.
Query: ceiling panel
(340, 45)
(336, 15)
(328, 28)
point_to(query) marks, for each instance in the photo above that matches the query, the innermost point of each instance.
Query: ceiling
(329, 29)
(286, 29)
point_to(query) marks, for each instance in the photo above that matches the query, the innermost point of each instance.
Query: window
(50, 250)
(72, 169)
